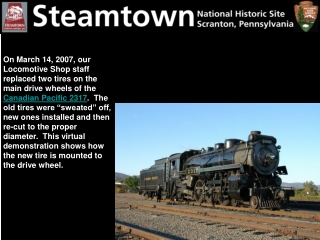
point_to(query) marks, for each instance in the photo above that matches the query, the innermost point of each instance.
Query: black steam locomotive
(232, 173)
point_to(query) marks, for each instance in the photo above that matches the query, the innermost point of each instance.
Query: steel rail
(237, 220)
(139, 233)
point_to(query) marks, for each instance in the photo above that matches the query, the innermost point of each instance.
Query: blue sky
(147, 132)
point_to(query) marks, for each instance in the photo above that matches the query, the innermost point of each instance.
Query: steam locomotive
(233, 173)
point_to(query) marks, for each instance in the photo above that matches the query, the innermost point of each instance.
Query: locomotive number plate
(192, 171)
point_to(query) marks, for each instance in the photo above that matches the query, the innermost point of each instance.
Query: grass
(305, 198)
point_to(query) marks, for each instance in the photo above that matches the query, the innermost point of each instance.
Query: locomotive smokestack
(255, 132)
(256, 136)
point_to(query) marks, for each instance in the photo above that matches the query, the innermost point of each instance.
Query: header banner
(292, 16)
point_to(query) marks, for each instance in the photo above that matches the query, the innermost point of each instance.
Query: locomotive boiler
(231, 173)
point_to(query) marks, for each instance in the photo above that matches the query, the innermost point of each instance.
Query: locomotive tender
(232, 173)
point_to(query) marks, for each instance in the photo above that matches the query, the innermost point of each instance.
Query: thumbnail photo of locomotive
(231, 173)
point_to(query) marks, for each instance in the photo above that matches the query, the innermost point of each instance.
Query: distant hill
(295, 185)
(121, 175)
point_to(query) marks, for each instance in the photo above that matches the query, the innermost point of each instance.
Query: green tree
(309, 188)
(132, 182)
(300, 14)
(298, 191)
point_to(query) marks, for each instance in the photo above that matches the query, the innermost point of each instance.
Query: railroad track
(309, 215)
(284, 227)
(126, 232)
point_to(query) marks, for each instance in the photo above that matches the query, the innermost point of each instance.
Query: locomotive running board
(197, 170)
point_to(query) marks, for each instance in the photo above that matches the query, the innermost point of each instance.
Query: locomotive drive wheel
(198, 191)
(234, 202)
(224, 201)
(208, 198)
(254, 202)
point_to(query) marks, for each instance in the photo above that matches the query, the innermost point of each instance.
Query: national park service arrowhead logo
(306, 14)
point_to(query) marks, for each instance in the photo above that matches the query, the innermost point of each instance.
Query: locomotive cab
(174, 167)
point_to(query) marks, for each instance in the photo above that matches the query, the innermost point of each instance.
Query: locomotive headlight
(278, 181)
(269, 159)
(270, 156)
